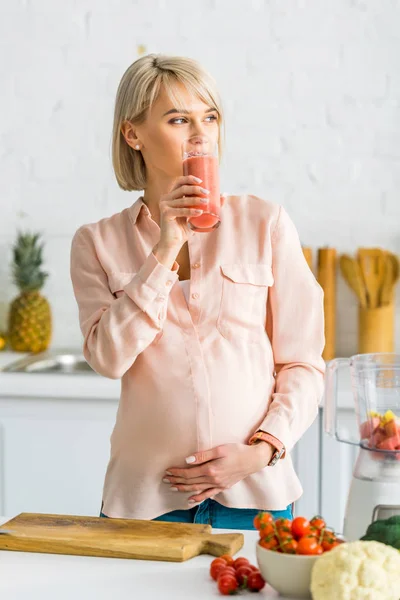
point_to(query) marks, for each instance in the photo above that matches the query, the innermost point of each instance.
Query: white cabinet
(325, 468)
(337, 462)
(306, 461)
(53, 454)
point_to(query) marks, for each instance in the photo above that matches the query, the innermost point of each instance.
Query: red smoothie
(207, 169)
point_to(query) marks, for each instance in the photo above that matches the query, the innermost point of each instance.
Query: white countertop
(7, 357)
(52, 385)
(32, 576)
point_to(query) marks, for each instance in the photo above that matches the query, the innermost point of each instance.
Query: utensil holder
(376, 329)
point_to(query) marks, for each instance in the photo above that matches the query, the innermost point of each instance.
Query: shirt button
(195, 296)
(169, 282)
(161, 297)
(196, 265)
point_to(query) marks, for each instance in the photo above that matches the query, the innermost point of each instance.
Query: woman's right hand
(186, 199)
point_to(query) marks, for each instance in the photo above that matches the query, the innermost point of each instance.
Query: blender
(375, 488)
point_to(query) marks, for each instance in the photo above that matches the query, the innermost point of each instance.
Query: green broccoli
(386, 531)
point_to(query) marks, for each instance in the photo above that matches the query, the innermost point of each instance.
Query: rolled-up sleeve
(297, 338)
(116, 330)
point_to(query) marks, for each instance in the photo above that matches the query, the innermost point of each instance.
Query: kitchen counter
(48, 576)
(54, 385)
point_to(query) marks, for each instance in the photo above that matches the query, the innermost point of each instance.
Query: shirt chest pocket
(243, 308)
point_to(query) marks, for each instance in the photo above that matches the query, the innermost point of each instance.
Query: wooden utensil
(390, 278)
(116, 538)
(326, 277)
(307, 251)
(372, 266)
(351, 272)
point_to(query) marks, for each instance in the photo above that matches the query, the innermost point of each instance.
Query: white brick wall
(312, 95)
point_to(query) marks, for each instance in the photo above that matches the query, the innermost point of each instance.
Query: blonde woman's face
(166, 127)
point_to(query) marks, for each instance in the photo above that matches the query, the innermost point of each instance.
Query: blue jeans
(219, 516)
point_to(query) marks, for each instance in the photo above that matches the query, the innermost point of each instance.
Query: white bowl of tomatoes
(287, 551)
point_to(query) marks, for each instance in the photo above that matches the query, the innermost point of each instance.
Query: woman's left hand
(216, 470)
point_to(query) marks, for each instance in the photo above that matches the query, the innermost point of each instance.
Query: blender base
(369, 501)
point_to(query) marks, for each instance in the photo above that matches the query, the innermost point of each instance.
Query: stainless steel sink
(51, 361)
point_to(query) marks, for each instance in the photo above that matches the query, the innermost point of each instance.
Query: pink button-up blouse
(244, 353)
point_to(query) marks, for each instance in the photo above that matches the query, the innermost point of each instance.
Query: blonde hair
(138, 90)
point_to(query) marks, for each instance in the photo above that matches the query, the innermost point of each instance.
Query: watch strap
(263, 436)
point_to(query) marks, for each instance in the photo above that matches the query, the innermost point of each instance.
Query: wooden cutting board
(115, 538)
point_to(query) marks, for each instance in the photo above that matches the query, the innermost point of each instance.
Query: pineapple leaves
(27, 262)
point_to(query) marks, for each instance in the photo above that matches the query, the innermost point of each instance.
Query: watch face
(276, 456)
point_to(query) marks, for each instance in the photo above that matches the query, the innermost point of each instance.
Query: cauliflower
(357, 571)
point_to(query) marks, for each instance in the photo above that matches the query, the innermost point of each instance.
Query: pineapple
(30, 322)
(3, 341)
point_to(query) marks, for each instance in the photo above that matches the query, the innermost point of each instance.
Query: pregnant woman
(217, 337)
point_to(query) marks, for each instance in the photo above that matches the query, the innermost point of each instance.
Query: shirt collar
(136, 209)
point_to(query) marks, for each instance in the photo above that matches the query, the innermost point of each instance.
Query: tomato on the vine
(266, 517)
(267, 530)
(309, 545)
(269, 543)
(228, 559)
(242, 574)
(284, 535)
(328, 540)
(253, 568)
(256, 521)
(289, 546)
(255, 582)
(318, 522)
(300, 527)
(227, 585)
(226, 571)
(240, 561)
(282, 523)
(217, 565)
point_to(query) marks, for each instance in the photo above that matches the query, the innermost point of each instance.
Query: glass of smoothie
(200, 158)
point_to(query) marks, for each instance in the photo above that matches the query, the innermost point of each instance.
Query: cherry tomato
(300, 527)
(216, 567)
(228, 559)
(270, 543)
(226, 571)
(227, 585)
(328, 539)
(266, 517)
(318, 522)
(309, 545)
(240, 561)
(328, 533)
(284, 535)
(243, 573)
(282, 523)
(255, 582)
(289, 546)
(262, 519)
(253, 568)
(267, 530)
(331, 546)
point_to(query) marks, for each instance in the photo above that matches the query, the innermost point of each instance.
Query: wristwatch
(262, 436)
(276, 456)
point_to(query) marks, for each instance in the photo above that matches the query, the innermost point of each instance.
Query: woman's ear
(129, 132)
